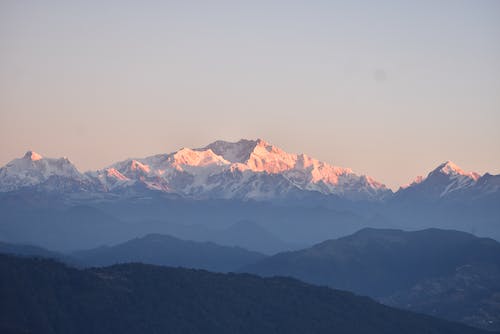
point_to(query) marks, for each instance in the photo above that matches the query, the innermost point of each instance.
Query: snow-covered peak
(33, 156)
(34, 169)
(268, 158)
(446, 179)
(237, 152)
(451, 169)
(48, 166)
(307, 173)
(259, 155)
(189, 157)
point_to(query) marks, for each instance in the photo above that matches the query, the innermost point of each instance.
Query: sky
(388, 88)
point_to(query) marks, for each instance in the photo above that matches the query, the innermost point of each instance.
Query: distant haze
(387, 88)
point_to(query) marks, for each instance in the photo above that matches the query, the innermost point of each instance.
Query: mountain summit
(446, 180)
(451, 169)
(33, 156)
(235, 152)
(33, 169)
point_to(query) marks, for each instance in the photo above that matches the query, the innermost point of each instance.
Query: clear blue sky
(388, 88)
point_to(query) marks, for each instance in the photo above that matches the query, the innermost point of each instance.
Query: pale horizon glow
(389, 89)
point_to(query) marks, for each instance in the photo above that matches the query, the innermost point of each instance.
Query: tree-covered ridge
(44, 296)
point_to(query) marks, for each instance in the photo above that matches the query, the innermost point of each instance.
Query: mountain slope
(47, 297)
(169, 251)
(245, 234)
(31, 251)
(402, 268)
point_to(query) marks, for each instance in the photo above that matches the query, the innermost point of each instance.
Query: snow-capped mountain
(33, 170)
(247, 169)
(447, 181)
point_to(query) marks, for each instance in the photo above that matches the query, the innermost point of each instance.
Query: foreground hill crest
(138, 298)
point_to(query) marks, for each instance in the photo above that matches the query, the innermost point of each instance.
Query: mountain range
(247, 169)
(169, 251)
(287, 200)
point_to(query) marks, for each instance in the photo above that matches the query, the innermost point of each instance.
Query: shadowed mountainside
(450, 274)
